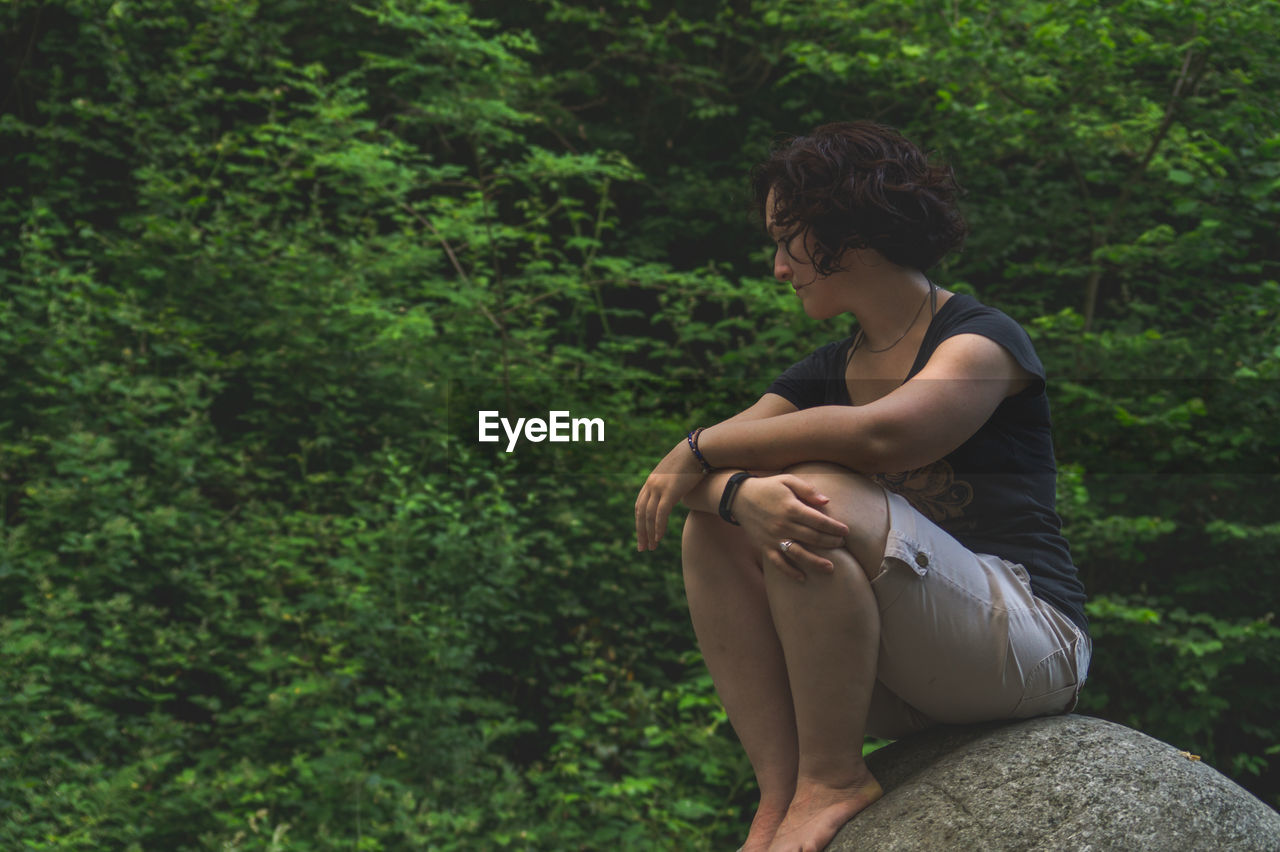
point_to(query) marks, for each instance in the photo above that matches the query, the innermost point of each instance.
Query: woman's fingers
(648, 523)
(815, 529)
(781, 563)
(652, 513)
(646, 506)
(661, 512)
(814, 539)
(807, 560)
(825, 525)
(806, 492)
(812, 501)
(642, 539)
(796, 561)
(654, 521)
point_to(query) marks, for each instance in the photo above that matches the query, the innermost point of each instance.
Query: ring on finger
(785, 544)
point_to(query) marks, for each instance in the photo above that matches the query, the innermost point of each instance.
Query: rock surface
(1062, 782)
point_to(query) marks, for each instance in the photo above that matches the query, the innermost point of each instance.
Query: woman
(893, 559)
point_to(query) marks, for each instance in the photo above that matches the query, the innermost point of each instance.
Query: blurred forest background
(262, 262)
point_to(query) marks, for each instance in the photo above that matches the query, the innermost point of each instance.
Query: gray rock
(1061, 782)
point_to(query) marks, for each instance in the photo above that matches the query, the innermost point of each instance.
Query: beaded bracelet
(693, 445)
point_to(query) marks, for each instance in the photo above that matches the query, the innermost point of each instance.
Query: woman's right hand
(784, 507)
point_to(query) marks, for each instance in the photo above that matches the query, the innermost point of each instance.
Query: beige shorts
(962, 638)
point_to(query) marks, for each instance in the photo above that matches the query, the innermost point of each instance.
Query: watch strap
(730, 491)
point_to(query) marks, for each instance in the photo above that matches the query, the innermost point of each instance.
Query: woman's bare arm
(916, 424)
(705, 496)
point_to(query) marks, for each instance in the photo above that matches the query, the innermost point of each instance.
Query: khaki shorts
(962, 638)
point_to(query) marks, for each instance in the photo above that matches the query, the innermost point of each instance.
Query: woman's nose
(781, 269)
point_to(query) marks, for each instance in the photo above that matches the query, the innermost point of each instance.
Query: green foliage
(1203, 669)
(260, 588)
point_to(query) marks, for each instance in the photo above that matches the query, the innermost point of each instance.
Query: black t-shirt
(995, 492)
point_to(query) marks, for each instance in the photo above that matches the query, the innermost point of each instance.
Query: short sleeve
(1004, 330)
(804, 383)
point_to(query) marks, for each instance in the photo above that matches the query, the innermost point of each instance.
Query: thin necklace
(862, 335)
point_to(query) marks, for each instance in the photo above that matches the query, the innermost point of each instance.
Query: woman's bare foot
(763, 827)
(818, 811)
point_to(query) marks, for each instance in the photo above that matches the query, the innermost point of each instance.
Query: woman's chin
(816, 311)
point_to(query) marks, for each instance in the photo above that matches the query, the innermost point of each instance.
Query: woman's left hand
(673, 478)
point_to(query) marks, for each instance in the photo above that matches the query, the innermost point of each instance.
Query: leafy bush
(261, 588)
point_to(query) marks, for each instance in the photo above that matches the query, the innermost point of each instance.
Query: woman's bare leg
(731, 618)
(794, 663)
(829, 628)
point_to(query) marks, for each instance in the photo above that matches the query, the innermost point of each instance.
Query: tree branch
(1092, 285)
(453, 258)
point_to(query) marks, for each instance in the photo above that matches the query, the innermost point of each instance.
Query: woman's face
(790, 257)
(792, 263)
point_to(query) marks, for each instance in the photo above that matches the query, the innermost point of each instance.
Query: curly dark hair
(860, 185)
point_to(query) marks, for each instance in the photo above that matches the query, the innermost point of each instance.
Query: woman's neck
(891, 303)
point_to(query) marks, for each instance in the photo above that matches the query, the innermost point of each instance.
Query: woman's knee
(816, 471)
(856, 501)
(818, 467)
(850, 491)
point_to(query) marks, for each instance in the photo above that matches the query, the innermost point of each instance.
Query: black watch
(731, 489)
